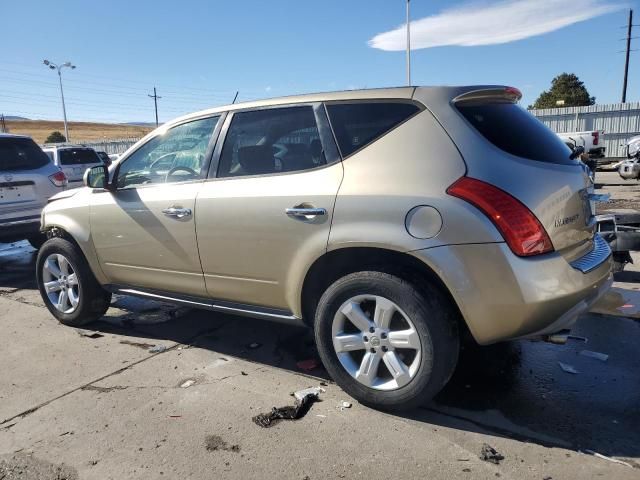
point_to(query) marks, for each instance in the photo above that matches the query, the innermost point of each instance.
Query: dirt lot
(39, 130)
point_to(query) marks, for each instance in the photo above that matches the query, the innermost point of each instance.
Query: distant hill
(141, 124)
(14, 117)
(39, 130)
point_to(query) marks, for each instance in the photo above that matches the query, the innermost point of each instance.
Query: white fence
(620, 122)
(117, 145)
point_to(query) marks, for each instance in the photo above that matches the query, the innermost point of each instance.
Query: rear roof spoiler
(487, 95)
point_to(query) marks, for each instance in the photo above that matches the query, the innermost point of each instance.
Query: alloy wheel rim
(376, 342)
(61, 283)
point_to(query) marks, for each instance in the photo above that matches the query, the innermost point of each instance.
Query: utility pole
(408, 44)
(155, 102)
(59, 68)
(626, 63)
(3, 126)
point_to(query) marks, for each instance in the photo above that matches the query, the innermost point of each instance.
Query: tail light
(596, 137)
(59, 179)
(522, 231)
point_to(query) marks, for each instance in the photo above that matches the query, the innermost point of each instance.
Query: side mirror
(96, 177)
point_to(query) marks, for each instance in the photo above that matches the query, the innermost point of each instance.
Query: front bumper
(502, 296)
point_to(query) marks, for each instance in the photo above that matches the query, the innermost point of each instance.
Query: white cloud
(489, 24)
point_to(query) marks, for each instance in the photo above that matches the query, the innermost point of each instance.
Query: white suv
(27, 179)
(73, 160)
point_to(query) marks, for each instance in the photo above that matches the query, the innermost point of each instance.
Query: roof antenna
(236, 97)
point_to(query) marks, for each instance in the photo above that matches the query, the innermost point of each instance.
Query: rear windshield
(358, 124)
(78, 156)
(514, 130)
(20, 154)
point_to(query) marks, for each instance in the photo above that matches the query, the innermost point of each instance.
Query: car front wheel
(68, 287)
(387, 343)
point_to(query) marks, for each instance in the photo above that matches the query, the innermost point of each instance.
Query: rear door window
(78, 156)
(20, 154)
(515, 131)
(274, 140)
(358, 124)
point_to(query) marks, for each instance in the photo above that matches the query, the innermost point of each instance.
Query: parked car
(27, 180)
(73, 160)
(394, 222)
(104, 156)
(591, 141)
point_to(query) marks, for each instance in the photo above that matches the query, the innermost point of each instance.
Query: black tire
(93, 299)
(37, 240)
(434, 318)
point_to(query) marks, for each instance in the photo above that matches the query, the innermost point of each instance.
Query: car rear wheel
(68, 287)
(387, 343)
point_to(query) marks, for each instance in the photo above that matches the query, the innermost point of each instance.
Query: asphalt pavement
(97, 403)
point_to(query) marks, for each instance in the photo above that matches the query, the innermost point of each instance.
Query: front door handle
(177, 212)
(305, 212)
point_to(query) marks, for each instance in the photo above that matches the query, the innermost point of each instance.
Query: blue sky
(198, 53)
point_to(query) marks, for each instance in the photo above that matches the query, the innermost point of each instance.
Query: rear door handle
(177, 212)
(305, 212)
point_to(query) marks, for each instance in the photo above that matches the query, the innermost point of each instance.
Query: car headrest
(256, 159)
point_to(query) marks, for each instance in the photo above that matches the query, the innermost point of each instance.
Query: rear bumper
(19, 228)
(502, 296)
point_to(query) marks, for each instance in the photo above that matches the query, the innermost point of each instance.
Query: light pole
(408, 44)
(59, 68)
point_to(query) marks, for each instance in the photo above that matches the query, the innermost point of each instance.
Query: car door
(269, 207)
(144, 230)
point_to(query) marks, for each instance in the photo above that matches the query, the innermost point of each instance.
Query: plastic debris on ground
(568, 368)
(610, 459)
(304, 399)
(188, 383)
(157, 349)
(308, 365)
(344, 405)
(603, 357)
(490, 454)
(92, 335)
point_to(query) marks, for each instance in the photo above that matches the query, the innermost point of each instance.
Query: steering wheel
(190, 171)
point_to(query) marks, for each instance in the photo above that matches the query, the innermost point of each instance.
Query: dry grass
(39, 130)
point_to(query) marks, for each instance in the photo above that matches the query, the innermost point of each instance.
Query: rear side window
(274, 140)
(20, 154)
(515, 131)
(356, 125)
(78, 156)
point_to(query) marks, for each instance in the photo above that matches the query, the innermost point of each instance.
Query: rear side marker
(520, 228)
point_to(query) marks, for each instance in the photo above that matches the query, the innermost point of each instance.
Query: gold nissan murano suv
(394, 222)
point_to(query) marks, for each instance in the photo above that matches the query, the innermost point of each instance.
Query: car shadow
(515, 390)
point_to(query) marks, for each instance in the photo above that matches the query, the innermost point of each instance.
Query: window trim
(207, 157)
(410, 101)
(332, 153)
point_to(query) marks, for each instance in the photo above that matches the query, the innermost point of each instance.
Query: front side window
(275, 140)
(177, 155)
(358, 124)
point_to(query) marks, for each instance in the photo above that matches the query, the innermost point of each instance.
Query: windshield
(516, 131)
(20, 154)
